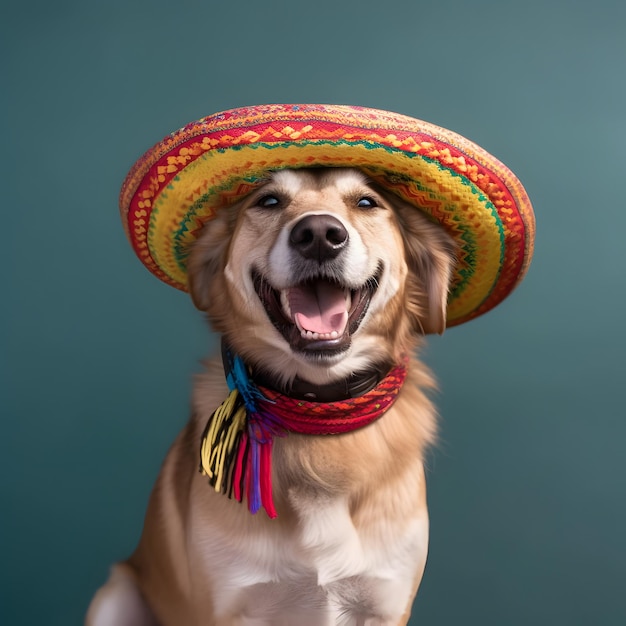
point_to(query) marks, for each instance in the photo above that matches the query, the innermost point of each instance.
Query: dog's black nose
(319, 237)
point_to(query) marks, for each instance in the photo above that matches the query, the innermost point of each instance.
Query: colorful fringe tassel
(236, 451)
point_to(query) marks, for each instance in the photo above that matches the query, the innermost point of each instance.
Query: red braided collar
(334, 418)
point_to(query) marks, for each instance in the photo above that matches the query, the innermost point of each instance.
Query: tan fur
(349, 544)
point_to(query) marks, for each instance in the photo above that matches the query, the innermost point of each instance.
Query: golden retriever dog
(321, 283)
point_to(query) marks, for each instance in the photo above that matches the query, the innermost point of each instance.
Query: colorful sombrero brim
(178, 185)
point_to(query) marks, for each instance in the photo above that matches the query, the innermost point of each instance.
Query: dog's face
(318, 273)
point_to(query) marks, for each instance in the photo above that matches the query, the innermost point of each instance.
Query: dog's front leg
(328, 539)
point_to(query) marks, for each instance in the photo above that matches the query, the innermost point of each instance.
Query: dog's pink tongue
(320, 308)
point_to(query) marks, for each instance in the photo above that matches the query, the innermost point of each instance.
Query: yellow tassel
(220, 437)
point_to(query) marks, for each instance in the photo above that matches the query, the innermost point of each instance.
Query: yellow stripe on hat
(215, 179)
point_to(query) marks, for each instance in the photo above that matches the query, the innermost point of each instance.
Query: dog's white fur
(350, 541)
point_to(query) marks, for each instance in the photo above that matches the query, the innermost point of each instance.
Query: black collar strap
(355, 385)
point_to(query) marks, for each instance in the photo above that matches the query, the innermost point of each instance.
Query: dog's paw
(366, 601)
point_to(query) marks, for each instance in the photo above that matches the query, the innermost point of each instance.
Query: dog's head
(319, 273)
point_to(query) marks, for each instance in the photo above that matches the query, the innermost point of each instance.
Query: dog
(317, 281)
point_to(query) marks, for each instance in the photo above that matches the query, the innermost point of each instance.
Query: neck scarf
(236, 448)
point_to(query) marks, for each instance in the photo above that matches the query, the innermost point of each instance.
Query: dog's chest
(321, 568)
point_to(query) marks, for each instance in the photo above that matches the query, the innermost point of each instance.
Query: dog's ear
(431, 256)
(207, 258)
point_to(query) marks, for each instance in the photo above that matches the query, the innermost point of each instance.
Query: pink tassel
(239, 470)
(266, 479)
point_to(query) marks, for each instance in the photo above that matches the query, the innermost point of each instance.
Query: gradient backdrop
(527, 488)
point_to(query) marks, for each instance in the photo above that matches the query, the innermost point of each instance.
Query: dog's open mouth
(319, 315)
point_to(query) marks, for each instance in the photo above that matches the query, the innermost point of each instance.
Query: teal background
(527, 486)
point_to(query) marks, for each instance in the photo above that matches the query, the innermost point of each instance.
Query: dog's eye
(366, 202)
(268, 202)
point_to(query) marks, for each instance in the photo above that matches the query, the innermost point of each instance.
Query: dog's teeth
(284, 302)
(309, 334)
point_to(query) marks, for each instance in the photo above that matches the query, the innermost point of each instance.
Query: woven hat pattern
(178, 185)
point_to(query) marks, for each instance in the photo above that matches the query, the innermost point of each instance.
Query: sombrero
(179, 184)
